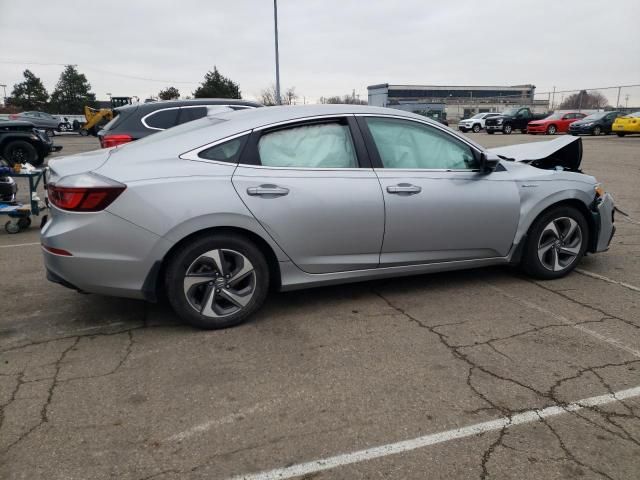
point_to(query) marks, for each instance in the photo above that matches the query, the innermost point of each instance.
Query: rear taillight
(86, 192)
(12, 116)
(114, 140)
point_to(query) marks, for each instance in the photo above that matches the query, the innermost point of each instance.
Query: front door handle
(404, 188)
(267, 190)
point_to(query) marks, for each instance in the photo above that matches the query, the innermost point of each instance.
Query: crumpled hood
(564, 152)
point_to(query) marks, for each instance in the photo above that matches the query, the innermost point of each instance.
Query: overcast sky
(327, 47)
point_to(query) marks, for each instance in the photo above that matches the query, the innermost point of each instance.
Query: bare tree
(345, 99)
(268, 96)
(584, 99)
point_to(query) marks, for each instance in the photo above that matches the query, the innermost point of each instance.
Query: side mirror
(488, 162)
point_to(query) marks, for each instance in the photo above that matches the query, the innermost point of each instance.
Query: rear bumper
(101, 260)
(603, 214)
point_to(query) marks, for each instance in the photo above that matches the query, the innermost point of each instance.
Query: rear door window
(161, 119)
(188, 114)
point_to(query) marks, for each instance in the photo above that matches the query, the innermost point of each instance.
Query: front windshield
(554, 116)
(510, 111)
(478, 115)
(633, 115)
(595, 116)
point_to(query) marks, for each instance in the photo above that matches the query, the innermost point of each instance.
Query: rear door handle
(267, 190)
(404, 188)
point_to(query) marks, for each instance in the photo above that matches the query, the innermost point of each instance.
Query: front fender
(532, 205)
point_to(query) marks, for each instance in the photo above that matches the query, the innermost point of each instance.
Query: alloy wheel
(597, 130)
(220, 283)
(559, 244)
(551, 130)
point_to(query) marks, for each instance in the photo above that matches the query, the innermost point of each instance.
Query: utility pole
(626, 101)
(275, 23)
(553, 99)
(4, 98)
(618, 100)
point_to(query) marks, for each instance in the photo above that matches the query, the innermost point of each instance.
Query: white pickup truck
(475, 123)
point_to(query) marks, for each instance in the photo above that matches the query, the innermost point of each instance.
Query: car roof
(226, 123)
(152, 106)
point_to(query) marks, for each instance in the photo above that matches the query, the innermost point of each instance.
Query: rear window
(119, 117)
(161, 119)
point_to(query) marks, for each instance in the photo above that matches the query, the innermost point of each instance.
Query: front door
(439, 206)
(307, 185)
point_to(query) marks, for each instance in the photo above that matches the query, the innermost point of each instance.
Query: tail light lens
(87, 192)
(114, 140)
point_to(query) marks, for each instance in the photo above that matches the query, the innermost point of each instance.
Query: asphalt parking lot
(453, 376)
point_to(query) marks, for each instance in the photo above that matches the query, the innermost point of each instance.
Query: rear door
(311, 186)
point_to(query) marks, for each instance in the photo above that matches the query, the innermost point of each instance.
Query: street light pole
(4, 98)
(275, 23)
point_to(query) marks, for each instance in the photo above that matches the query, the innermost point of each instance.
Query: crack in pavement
(549, 395)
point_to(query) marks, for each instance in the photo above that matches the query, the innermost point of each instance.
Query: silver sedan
(214, 212)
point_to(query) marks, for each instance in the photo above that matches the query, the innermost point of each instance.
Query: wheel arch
(153, 285)
(577, 203)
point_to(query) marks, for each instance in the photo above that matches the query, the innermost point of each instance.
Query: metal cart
(20, 214)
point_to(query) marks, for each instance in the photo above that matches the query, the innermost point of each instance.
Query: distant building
(453, 102)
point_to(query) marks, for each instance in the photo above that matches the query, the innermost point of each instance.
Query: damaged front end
(562, 153)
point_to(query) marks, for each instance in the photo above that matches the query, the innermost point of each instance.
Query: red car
(555, 123)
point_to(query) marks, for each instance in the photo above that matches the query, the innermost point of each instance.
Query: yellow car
(628, 124)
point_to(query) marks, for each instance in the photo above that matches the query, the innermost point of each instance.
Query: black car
(595, 124)
(133, 122)
(512, 119)
(22, 142)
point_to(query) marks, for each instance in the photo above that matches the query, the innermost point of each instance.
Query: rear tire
(597, 130)
(21, 152)
(476, 128)
(555, 244)
(507, 129)
(217, 281)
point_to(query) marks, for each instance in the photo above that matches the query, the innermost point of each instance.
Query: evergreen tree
(72, 92)
(30, 94)
(216, 85)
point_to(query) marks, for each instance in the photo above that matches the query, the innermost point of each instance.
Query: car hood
(564, 152)
(577, 123)
(21, 124)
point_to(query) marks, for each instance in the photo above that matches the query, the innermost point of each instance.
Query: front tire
(490, 132)
(551, 130)
(556, 242)
(620, 134)
(217, 281)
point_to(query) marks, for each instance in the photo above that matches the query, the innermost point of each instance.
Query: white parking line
(20, 245)
(582, 328)
(435, 438)
(607, 279)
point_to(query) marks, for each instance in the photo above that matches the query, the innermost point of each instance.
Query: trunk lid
(80, 163)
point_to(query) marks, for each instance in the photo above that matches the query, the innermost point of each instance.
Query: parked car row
(574, 123)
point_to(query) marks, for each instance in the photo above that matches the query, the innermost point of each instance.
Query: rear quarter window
(161, 119)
